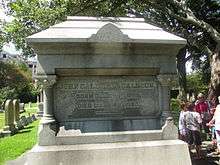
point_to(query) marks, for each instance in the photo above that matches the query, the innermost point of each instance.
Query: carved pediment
(109, 33)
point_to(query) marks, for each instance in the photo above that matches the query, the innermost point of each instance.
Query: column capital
(45, 81)
(167, 79)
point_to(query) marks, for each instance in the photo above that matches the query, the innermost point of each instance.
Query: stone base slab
(163, 152)
(70, 138)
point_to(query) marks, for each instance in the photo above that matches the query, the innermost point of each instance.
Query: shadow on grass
(28, 127)
(23, 131)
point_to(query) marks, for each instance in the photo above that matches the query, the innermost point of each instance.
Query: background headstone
(9, 127)
(21, 107)
(16, 110)
(40, 109)
(29, 105)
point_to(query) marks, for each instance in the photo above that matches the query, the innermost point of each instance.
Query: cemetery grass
(14, 146)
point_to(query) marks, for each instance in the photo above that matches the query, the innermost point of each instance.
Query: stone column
(48, 116)
(165, 86)
(40, 105)
(48, 125)
(9, 127)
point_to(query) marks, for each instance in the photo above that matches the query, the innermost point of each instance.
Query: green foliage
(196, 21)
(15, 82)
(175, 110)
(196, 84)
(2, 120)
(175, 105)
(14, 146)
(30, 17)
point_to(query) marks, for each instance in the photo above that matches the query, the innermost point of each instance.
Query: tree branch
(88, 6)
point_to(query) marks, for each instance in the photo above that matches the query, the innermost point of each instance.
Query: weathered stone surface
(71, 137)
(16, 110)
(112, 76)
(9, 127)
(170, 131)
(123, 101)
(47, 134)
(21, 107)
(92, 97)
(165, 152)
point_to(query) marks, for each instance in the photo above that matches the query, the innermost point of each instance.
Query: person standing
(202, 107)
(192, 121)
(182, 129)
(216, 121)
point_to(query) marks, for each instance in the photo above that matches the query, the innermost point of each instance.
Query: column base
(47, 133)
(47, 119)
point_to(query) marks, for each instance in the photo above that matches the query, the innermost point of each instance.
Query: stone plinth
(165, 152)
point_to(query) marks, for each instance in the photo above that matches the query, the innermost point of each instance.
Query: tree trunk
(214, 90)
(181, 71)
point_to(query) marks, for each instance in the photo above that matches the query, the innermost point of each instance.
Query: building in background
(17, 57)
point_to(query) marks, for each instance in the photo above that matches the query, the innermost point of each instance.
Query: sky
(10, 48)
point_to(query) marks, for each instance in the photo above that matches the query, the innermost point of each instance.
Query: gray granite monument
(106, 88)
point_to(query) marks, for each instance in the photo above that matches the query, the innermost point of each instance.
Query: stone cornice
(167, 79)
(45, 81)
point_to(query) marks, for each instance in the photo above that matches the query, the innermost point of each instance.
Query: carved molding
(167, 79)
(109, 33)
(45, 81)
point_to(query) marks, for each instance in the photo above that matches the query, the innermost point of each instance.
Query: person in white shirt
(216, 121)
(192, 122)
(182, 129)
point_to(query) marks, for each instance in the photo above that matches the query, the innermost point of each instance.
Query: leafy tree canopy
(197, 21)
(15, 82)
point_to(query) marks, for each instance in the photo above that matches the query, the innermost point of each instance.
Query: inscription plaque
(101, 96)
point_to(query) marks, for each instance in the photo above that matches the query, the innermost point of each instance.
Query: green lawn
(14, 146)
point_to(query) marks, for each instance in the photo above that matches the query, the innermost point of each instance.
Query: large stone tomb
(106, 89)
